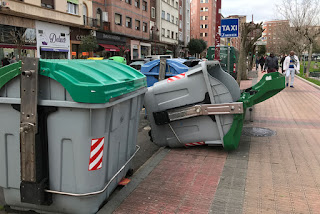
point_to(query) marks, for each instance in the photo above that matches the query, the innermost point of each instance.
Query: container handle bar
(100, 191)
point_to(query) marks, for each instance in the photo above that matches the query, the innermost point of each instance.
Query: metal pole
(218, 25)
(228, 55)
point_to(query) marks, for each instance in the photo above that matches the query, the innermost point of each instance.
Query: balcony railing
(96, 23)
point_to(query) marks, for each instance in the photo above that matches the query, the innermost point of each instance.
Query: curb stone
(310, 83)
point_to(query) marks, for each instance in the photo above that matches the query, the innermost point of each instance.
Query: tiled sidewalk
(283, 173)
(278, 174)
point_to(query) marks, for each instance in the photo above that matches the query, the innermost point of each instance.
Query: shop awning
(73, 1)
(15, 46)
(110, 47)
(54, 49)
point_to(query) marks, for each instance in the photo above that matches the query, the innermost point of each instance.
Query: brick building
(203, 20)
(126, 25)
(271, 34)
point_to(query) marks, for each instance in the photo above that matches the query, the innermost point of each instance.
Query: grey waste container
(82, 133)
(179, 109)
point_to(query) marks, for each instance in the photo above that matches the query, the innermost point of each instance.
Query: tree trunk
(242, 65)
(309, 60)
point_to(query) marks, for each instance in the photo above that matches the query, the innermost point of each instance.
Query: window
(137, 25)
(163, 14)
(204, 26)
(172, 2)
(168, 33)
(180, 24)
(168, 17)
(177, 4)
(163, 31)
(172, 19)
(153, 12)
(144, 5)
(203, 9)
(118, 19)
(72, 8)
(128, 1)
(172, 34)
(85, 14)
(137, 3)
(176, 20)
(128, 22)
(203, 34)
(180, 10)
(99, 17)
(47, 4)
(144, 27)
(203, 17)
(204, 1)
(176, 36)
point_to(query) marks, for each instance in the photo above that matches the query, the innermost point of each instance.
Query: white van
(153, 57)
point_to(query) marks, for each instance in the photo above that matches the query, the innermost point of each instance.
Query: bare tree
(303, 16)
(19, 39)
(247, 43)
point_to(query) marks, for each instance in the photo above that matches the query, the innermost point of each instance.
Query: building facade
(168, 22)
(271, 34)
(184, 27)
(203, 20)
(126, 20)
(41, 28)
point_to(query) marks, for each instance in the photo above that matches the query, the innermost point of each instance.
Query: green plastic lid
(87, 81)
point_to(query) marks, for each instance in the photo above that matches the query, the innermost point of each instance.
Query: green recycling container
(118, 59)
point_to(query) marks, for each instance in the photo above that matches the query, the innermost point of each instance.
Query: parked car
(138, 63)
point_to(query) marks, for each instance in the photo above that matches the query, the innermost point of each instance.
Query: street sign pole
(228, 41)
(217, 37)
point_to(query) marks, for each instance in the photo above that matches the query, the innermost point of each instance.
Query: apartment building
(271, 34)
(45, 25)
(128, 26)
(168, 22)
(203, 20)
(184, 27)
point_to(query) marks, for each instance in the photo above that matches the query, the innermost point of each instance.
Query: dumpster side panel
(9, 145)
(70, 133)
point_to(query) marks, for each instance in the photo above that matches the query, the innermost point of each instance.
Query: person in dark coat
(272, 64)
(261, 62)
(5, 61)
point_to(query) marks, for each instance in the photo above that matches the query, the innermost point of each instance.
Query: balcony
(95, 23)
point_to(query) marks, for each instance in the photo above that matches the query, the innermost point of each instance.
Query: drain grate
(258, 132)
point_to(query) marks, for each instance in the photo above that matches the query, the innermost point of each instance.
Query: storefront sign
(52, 36)
(105, 36)
(77, 34)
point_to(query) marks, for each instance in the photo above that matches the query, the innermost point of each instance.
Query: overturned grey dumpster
(69, 140)
(203, 106)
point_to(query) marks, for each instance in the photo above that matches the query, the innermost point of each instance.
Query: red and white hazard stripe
(180, 76)
(234, 67)
(96, 154)
(195, 144)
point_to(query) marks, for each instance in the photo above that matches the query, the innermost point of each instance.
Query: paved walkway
(278, 174)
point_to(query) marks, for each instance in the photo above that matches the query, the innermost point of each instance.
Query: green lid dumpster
(119, 59)
(68, 132)
(204, 106)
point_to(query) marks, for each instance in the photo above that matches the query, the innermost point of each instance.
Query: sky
(264, 10)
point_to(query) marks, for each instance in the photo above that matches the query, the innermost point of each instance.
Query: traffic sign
(229, 28)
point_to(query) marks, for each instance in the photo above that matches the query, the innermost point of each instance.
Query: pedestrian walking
(261, 62)
(290, 66)
(13, 60)
(257, 63)
(282, 61)
(272, 64)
